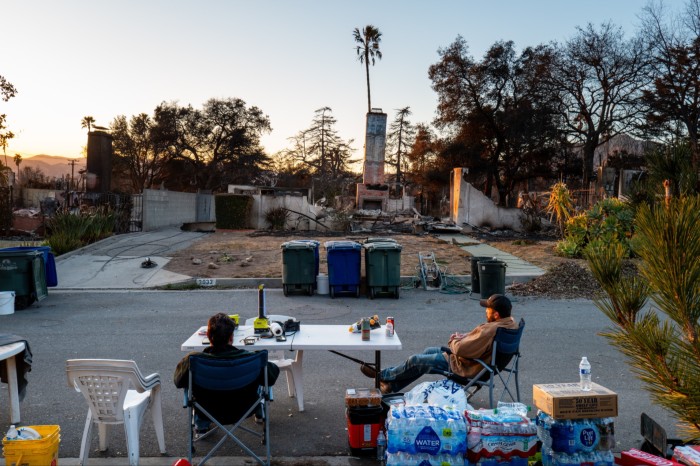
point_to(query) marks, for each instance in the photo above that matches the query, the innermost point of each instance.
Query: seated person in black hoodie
(220, 334)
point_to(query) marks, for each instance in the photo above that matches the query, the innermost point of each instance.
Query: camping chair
(227, 392)
(116, 393)
(295, 387)
(505, 358)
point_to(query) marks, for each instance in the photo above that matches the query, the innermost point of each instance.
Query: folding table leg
(13, 391)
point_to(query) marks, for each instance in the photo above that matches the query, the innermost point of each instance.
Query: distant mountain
(52, 166)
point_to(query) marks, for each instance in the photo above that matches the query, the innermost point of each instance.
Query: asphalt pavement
(105, 307)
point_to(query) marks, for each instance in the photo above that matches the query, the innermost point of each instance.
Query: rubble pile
(567, 280)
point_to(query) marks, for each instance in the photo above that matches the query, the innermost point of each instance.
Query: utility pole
(72, 171)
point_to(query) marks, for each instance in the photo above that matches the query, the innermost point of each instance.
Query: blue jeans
(430, 361)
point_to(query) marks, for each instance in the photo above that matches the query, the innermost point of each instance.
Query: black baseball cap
(497, 302)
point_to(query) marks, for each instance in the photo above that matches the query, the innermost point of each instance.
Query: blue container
(344, 260)
(49, 261)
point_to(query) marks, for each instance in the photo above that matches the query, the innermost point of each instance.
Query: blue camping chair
(503, 366)
(227, 392)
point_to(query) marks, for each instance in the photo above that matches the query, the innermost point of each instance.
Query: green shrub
(67, 231)
(232, 211)
(609, 221)
(63, 242)
(568, 248)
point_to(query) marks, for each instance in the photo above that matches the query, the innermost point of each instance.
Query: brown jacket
(476, 344)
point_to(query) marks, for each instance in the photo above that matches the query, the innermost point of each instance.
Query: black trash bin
(24, 273)
(492, 277)
(475, 271)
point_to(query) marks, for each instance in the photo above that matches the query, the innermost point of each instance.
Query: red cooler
(364, 423)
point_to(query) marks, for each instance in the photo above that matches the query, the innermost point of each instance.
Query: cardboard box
(636, 457)
(568, 401)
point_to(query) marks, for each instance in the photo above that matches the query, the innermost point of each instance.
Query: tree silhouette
(18, 160)
(400, 139)
(367, 51)
(87, 122)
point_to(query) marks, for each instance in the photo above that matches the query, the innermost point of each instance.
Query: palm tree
(87, 122)
(18, 160)
(367, 51)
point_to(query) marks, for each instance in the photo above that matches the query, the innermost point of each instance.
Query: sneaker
(201, 433)
(385, 388)
(369, 371)
(258, 419)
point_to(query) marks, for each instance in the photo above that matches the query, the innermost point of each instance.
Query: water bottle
(381, 445)
(584, 370)
(12, 433)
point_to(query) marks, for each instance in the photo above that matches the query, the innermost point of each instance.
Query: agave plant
(559, 205)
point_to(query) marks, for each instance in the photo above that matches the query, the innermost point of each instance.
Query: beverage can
(365, 329)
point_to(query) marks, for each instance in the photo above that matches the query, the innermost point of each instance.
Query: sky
(69, 59)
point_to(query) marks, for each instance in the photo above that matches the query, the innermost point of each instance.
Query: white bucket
(322, 284)
(7, 302)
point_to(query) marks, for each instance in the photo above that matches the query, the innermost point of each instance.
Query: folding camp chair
(227, 392)
(505, 358)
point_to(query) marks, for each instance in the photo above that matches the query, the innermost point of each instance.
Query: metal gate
(204, 201)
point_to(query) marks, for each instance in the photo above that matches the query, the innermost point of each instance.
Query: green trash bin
(24, 273)
(492, 277)
(383, 268)
(298, 267)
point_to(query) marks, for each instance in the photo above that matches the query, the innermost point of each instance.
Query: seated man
(220, 334)
(476, 344)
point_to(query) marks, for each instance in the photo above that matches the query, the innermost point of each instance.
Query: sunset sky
(69, 59)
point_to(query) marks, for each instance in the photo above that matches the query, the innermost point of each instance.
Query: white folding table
(8, 353)
(333, 338)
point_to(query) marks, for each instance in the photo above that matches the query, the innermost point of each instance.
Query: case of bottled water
(501, 436)
(426, 429)
(573, 441)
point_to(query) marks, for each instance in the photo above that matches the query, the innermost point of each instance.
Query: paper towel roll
(276, 329)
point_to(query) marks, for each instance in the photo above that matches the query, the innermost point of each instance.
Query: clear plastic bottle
(381, 445)
(584, 369)
(12, 433)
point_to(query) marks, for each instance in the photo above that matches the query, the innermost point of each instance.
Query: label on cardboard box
(568, 401)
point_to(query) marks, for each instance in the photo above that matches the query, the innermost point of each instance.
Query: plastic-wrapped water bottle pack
(573, 441)
(501, 436)
(423, 459)
(426, 429)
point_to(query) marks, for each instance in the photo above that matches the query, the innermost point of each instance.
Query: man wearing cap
(476, 344)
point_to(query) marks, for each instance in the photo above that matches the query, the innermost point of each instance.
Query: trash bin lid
(312, 242)
(297, 245)
(380, 240)
(342, 245)
(20, 253)
(383, 245)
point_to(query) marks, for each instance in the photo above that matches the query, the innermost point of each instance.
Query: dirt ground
(250, 254)
(241, 254)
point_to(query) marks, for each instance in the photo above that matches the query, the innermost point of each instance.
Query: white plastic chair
(116, 393)
(295, 382)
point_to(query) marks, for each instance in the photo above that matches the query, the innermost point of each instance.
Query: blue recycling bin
(344, 261)
(49, 261)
